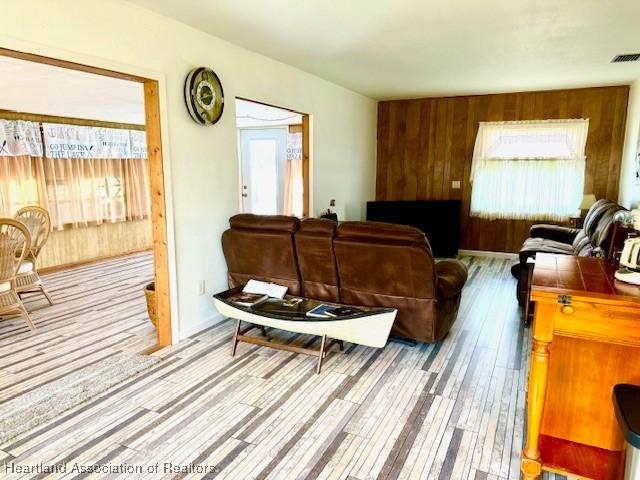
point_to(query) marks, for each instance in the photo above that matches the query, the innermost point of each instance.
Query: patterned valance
(74, 141)
(19, 137)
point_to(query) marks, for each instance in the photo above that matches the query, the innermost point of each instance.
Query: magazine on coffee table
(320, 311)
(248, 299)
(325, 310)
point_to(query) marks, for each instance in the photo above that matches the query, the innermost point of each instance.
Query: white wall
(629, 186)
(203, 160)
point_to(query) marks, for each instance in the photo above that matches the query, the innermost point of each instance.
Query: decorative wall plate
(204, 96)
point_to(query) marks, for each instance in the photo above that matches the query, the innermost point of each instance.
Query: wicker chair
(15, 243)
(38, 222)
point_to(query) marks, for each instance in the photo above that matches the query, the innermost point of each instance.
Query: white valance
(19, 137)
(74, 141)
(531, 140)
(529, 169)
(138, 139)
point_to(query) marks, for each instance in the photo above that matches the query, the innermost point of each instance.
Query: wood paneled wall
(425, 144)
(80, 245)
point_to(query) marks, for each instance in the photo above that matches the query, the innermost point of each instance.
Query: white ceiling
(410, 48)
(31, 87)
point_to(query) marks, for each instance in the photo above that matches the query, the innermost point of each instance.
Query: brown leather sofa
(359, 263)
(597, 231)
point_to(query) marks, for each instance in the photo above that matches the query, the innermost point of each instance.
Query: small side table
(575, 222)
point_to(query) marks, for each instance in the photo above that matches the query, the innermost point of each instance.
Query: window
(528, 170)
(85, 176)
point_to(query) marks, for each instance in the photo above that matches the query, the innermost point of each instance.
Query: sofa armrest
(451, 276)
(557, 233)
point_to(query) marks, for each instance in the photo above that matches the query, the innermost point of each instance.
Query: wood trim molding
(158, 214)
(55, 62)
(90, 261)
(306, 170)
(85, 122)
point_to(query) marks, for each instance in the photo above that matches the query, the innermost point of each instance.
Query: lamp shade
(588, 199)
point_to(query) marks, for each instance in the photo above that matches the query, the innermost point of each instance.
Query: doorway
(273, 149)
(263, 156)
(155, 171)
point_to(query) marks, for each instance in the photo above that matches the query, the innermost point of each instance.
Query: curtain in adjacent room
(81, 175)
(95, 175)
(293, 179)
(529, 169)
(84, 191)
(21, 178)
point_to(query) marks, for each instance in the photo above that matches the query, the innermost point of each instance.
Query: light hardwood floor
(99, 310)
(451, 410)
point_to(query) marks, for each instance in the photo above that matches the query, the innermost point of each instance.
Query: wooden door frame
(306, 166)
(159, 218)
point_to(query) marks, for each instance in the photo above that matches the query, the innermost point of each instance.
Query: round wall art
(204, 96)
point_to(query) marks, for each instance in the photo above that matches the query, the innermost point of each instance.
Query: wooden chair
(15, 244)
(38, 222)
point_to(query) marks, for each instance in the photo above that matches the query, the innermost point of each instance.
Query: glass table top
(279, 309)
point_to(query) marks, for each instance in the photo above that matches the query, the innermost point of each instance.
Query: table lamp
(588, 199)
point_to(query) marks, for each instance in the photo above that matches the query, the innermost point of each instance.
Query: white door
(263, 154)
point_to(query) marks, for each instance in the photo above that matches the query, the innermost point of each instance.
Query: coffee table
(371, 327)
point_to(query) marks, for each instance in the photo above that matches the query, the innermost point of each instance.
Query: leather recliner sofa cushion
(261, 247)
(316, 259)
(392, 266)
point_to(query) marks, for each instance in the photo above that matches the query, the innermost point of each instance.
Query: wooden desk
(586, 339)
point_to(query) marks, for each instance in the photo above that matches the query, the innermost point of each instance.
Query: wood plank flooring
(454, 410)
(99, 310)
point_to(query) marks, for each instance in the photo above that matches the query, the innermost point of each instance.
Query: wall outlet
(202, 287)
(455, 184)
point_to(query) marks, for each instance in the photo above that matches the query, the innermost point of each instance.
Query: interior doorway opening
(273, 149)
(88, 133)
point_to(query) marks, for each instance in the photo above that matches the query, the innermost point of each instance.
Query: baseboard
(485, 253)
(198, 327)
(89, 261)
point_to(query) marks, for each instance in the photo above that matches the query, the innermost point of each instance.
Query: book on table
(272, 290)
(320, 311)
(325, 310)
(249, 299)
(255, 292)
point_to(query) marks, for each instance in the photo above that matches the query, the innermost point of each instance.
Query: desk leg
(531, 465)
(527, 302)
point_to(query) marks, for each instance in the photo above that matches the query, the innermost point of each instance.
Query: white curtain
(95, 175)
(528, 169)
(84, 175)
(293, 178)
(20, 165)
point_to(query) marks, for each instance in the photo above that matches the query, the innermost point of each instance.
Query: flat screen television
(438, 219)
